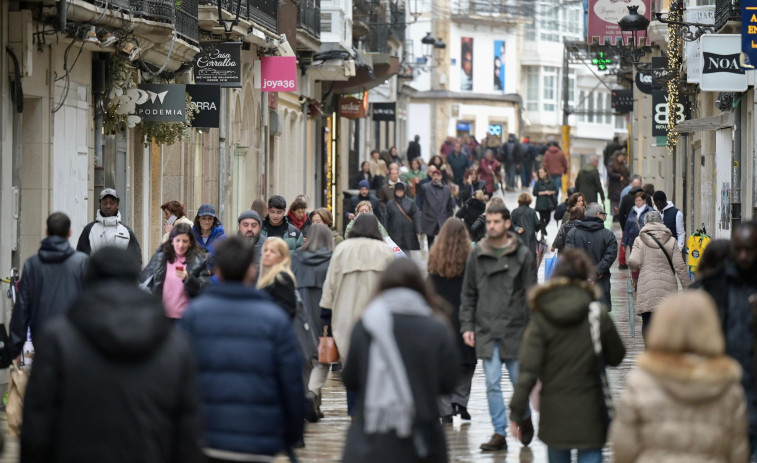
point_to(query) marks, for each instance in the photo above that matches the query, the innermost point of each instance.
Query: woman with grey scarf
(397, 417)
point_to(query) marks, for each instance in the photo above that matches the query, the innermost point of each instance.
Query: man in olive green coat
(588, 182)
(494, 313)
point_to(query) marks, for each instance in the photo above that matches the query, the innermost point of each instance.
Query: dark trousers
(604, 283)
(526, 172)
(646, 319)
(430, 240)
(544, 218)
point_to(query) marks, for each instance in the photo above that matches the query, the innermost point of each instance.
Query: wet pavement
(324, 440)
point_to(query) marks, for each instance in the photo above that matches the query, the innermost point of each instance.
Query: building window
(620, 123)
(600, 108)
(549, 92)
(590, 107)
(582, 104)
(325, 22)
(550, 24)
(532, 88)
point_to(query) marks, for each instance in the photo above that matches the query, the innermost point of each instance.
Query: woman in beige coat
(656, 280)
(354, 272)
(684, 401)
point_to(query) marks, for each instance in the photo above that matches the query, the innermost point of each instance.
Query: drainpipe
(736, 187)
(222, 157)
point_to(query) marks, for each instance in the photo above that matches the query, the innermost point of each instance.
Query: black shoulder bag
(670, 261)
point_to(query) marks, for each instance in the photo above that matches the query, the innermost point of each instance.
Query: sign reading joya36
(219, 63)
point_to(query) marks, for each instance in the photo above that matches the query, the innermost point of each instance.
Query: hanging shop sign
(644, 82)
(604, 16)
(162, 102)
(385, 112)
(206, 100)
(721, 71)
(219, 63)
(660, 113)
(352, 107)
(278, 73)
(622, 101)
(704, 14)
(748, 34)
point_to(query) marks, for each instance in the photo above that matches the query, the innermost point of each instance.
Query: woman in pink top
(178, 271)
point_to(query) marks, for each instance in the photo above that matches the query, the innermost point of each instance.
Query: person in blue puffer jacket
(253, 405)
(207, 228)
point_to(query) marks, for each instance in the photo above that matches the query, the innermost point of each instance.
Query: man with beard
(493, 313)
(364, 195)
(108, 230)
(734, 290)
(249, 227)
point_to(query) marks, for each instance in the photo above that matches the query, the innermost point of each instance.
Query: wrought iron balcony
(310, 17)
(186, 20)
(726, 10)
(497, 8)
(397, 21)
(377, 39)
(263, 12)
(154, 10)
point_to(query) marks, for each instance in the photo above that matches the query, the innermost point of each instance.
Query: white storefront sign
(721, 71)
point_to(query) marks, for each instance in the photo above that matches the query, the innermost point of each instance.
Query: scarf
(639, 210)
(389, 401)
(299, 223)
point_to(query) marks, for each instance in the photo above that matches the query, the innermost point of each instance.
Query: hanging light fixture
(634, 23)
(228, 24)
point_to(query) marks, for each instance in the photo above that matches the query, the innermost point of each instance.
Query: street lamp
(634, 23)
(228, 24)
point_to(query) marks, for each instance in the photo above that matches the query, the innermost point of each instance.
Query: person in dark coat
(618, 173)
(545, 192)
(400, 360)
(588, 182)
(310, 266)
(635, 221)
(627, 203)
(414, 148)
(438, 205)
(459, 162)
(108, 230)
(446, 267)
(565, 206)
(599, 243)
(530, 152)
(363, 195)
(112, 382)
(525, 219)
(276, 277)
(558, 350)
(576, 215)
(471, 184)
(472, 209)
(403, 220)
(50, 281)
(364, 174)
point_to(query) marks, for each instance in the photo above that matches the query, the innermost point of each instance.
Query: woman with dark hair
(402, 358)
(297, 214)
(207, 228)
(439, 163)
(413, 177)
(574, 199)
(559, 350)
(713, 257)
(323, 216)
(526, 221)
(260, 206)
(364, 174)
(471, 184)
(446, 266)
(394, 156)
(309, 266)
(635, 221)
(356, 265)
(472, 209)
(174, 214)
(576, 214)
(178, 271)
(545, 192)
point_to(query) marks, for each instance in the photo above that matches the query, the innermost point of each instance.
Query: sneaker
(497, 442)
(526, 431)
(462, 411)
(447, 419)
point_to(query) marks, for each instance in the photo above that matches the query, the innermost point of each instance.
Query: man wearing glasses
(599, 243)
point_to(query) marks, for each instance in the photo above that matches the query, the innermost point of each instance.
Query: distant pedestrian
(249, 227)
(356, 266)
(618, 173)
(379, 169)
(403, 220)
(556, 165)
(50, 281)
(173, 214)
(472, 209)
(526, 221)
(576, 215)
(513, 157)
(298, 214)
(364, 174)
(671, 217)
(683, 401)
(394, 155)
(276, 277)
(177, 272)
(588, 182)
(654, 253)
(323, 216)
(488, 171)
(259, 206)
(402, 358)
(364, 207)
(635, 221)
(471, 184)
(459, 162)
(545, 192)
(277, 224)
(364, 194)
(558, 350)
(493, 315)
(610, 149)
(530, 152)
(627, 203)
(478, 229)
(438, 205)
(207, 228)
(414, 148)
(446, 268)
(248, 361)
(309, 267)
(112, 382)
(440, 163)
(574, 199)
(386, 192)
(413, 177)
(108, 230)
(599, 243)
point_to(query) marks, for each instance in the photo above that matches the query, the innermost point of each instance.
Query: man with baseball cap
(250, 225)
(108, 230)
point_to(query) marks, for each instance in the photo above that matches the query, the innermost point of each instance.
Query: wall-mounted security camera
(283, 47)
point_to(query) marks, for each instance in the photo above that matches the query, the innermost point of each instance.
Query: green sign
(601, 61)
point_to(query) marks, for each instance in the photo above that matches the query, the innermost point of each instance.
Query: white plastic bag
(396, 249)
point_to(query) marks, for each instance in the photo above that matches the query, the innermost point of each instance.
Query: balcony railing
(377, 40)
(154, 10)
(726, 10)
(397, 22)
(310, 17)
(263, 12)
(186, 20)
(508, 8)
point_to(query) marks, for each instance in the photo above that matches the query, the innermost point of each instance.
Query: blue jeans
(584, 456)
(558, 183)
(493, 374)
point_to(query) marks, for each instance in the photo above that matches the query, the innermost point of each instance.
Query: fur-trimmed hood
(562, 300)
(689, 377)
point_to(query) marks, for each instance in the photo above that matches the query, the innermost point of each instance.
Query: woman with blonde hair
(276, 277)
(446, 267)
(364, 207)
(684, 401)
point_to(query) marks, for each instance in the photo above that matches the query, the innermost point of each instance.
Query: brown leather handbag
(327, 351)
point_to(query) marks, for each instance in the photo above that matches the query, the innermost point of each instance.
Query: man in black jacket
(599, 243)
(50, 281)
(112, 382)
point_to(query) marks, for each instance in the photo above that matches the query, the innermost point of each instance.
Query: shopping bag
(541, 249)
(14, 406)
(549, 266)
(396, 249)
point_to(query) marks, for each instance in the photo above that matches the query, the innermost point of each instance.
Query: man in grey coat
(437, 205)
(588, 182)
(493, 313)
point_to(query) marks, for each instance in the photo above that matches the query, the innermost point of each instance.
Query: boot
(311, 408)
(526, 428)
(497, 442)
(447, 419)
(462, 411)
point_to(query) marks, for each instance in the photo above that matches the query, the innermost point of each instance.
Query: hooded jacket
(599, 243)
(589, 184)
(292, 235)
(115, 368)
(108, 231)
(310, 268)
(656, 279)
(678, 407)
(493, 303)
(557, 348)
(50, 281)
(403, 232)
(555, 162)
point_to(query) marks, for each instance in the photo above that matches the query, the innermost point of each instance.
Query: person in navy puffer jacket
(248, 361)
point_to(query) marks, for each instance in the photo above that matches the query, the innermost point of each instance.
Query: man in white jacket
(108, 230)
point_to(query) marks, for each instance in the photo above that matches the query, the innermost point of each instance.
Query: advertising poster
(499, 65)
(466, 64)
(604, 16)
